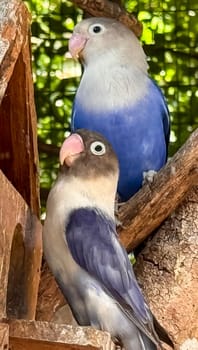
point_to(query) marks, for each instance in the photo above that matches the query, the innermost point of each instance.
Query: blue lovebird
(82, 249)
(117, 98)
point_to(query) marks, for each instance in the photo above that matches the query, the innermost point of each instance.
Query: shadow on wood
(21, 253)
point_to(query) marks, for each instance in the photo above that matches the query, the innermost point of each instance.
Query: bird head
(97, 36)
(87, 154)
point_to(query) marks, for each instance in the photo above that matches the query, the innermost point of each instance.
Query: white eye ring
(98, 148)
(96, 29)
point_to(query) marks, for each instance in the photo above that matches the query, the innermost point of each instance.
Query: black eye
(96, 28)
(98, 148)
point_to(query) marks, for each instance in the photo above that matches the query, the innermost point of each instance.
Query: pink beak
(76, 44)
(70, 149)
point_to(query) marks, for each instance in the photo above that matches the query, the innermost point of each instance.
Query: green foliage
(169, 40)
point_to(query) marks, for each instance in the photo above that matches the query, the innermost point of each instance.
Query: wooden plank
(37, 335)
(18, 124)
(20, 254)
(4, 336)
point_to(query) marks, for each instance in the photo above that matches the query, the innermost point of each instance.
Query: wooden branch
(49, 149)
(145, 211)
(106, 8)
(35, 335)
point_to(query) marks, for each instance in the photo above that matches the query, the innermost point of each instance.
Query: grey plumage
(82, 248)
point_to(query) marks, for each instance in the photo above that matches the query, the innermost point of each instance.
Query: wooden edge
(14, 24)
(52, 335)
(21, 254)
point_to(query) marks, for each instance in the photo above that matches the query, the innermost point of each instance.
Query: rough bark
(18, 124)
(167, 271)
(106, 8)
(50, 297)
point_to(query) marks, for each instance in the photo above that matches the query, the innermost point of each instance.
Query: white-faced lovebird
(117, 98)
(82, 249)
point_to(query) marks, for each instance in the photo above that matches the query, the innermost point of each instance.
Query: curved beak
(77, 43)
(70, 149)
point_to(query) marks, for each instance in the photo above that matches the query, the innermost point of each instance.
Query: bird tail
(147, 343)
(162, 333)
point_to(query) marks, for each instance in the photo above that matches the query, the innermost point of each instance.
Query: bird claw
(148, 176)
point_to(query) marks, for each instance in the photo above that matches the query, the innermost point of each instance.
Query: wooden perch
(34, 335)
(106, 8)
(145, 211)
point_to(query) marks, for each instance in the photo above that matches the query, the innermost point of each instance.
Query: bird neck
(107, 86)
(72, 193)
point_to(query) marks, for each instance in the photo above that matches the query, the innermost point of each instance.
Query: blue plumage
(118, 99)
(92, 240)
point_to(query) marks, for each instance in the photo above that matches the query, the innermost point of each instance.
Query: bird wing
(93, 243)
(165, 114)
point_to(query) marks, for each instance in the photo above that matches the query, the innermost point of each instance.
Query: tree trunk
(167, 270)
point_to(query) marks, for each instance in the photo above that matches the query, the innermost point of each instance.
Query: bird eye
(98, 148)
(96, 28)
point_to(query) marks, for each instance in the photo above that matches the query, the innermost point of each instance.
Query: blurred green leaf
(169, 40)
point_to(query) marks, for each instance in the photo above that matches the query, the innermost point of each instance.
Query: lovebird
(82, 249)
(118, 99)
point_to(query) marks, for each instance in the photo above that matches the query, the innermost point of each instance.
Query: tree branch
(106, 8)
(145, 211)
(48, 148)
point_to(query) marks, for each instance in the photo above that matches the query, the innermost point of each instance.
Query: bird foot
(148, 176)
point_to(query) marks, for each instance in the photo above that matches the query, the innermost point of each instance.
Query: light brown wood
(20, 254)
(106, 8)
(145, 211)
(4, 336)
(167, 271)
(18, 124)
(34, 335)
